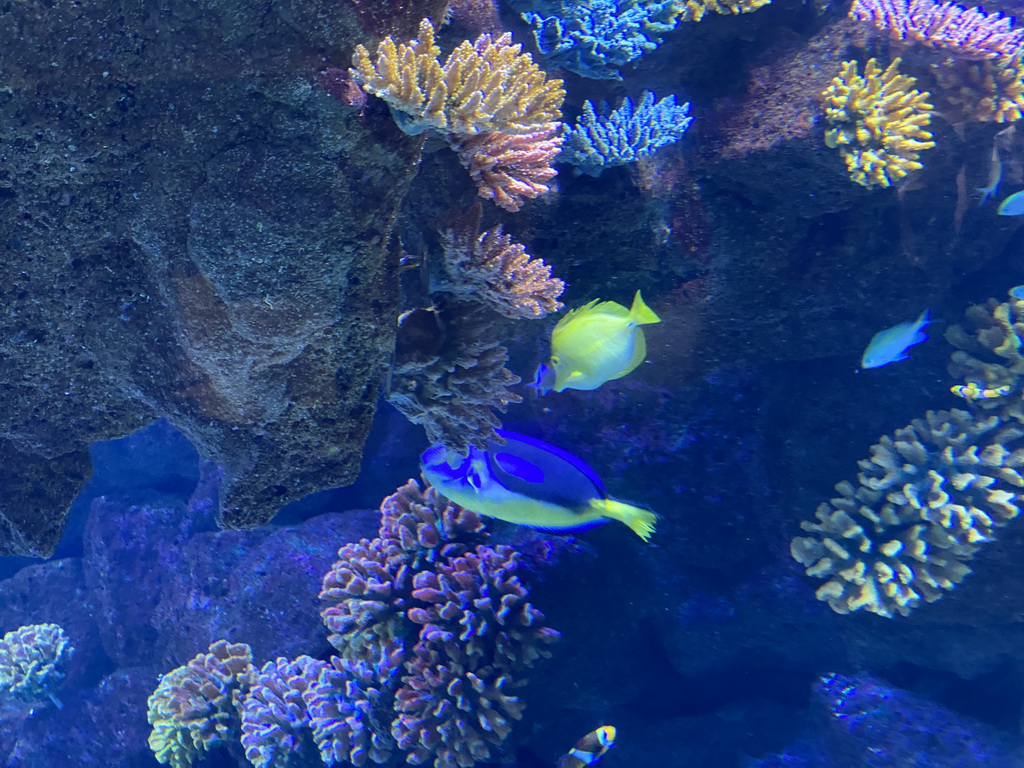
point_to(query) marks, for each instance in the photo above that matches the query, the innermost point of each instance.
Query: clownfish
(590, 749)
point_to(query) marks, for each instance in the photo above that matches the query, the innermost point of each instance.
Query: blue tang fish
(1012, 205)
(891, 345)
(529, 482)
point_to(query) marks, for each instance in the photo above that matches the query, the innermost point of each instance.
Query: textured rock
(192, 230)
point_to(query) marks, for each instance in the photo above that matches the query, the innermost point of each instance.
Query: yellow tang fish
(590, 749)
(529, 482)
(596, 343)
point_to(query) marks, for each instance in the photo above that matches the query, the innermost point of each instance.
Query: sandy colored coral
(486, 85)
(924, 503)
(878, 122)
(199, 705)
(695, 10)
(510, 169)
(33, 661)
(990, 91)
(988, 360)
(492, 269)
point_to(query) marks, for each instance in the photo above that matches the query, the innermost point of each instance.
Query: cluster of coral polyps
(493, 103)
(925, 502)
(878, 122)
(33, 661)
(988, 360)
(695, 10)
(433, 633)
(989, 91)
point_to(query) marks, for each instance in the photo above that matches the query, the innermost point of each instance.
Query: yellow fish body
(599, 342)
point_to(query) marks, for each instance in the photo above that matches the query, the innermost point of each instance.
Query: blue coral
(595, 39)
(625, 135)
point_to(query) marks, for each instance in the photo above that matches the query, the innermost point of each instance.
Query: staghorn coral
(595, 39)
(33, 661)
(988, 358)
(966, 32)
(623, 135)
(695, 10)
(199, 705)
(990, 91)
(878, 122)
(487, 85)
(493, 270)
(274, 716)
(925, 502)
(449, 378)
(507, 168)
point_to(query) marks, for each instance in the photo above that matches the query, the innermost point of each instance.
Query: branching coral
(199, 705)
(510, 169)
(33, 661)
(274, 716)
(878, 122)
(595, 39)
(448, 377)
(987, 91)
(487, 85)
(695, 10)
(492, 269)
(624, 135)
(454, 613)
(988, 359)
(925, 502)
(966, 32)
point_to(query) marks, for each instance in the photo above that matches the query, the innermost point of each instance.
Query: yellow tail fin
(641, 521)
(640, 313)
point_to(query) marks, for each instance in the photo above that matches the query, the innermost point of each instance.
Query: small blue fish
(1012, 206)
(891, 345)
(529, 482)
(1017, 292)
(995, 175)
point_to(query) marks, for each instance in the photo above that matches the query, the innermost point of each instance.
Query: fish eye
(555, 360)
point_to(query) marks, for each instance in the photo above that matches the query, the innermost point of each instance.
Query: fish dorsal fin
(547, 459)
(572, 314)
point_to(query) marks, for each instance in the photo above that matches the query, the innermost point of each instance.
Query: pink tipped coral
(510, 169)
(969, 33)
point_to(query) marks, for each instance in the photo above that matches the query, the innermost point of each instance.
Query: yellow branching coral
(694, 10)
(486, 85)
(878, 122)
(990, 91)
(925, 502)
(988, 360)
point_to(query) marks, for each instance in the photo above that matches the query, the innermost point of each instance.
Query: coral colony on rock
(266, 262)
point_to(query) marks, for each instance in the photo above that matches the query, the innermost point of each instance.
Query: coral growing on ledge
(925, 502)
(487, 85)
(968, 33)
(625, 134)
(695, 10)
(878, 122)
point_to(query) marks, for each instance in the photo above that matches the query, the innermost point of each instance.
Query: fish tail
(640, 313)
(641, 521)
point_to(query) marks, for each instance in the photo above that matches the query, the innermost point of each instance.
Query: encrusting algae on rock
(879, 122)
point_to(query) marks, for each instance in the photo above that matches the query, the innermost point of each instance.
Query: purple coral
(274, 716)
(432, 630)
(969, 33)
